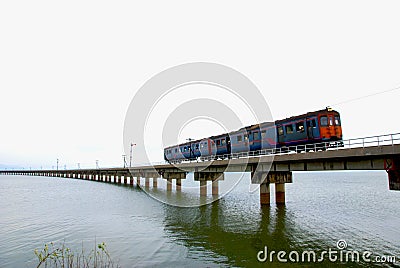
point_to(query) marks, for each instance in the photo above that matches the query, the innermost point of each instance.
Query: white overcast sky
(69, 69)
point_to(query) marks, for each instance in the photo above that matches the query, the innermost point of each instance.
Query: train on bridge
(321, 129)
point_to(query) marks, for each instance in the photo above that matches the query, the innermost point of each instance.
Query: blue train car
(268, 135)
(203, 148)
(254, 134)
(239, 141)
(222, 144)
(173, 153)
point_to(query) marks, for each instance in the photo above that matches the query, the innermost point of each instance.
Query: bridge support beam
(147, 182)
(155, 181)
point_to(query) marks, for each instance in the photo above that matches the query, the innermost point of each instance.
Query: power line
(366, 96)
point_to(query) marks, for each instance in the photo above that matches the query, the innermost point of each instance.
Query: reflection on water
(139, 231)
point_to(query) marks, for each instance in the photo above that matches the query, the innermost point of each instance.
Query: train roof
(309, 114)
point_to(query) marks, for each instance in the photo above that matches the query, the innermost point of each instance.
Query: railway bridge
(370, 153)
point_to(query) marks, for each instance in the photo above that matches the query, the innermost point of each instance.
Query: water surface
(321, 208)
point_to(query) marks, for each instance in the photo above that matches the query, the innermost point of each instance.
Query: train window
(263, 134)
(280, 131)
(300, 126)
(246, 137)
(331, 121)
(289, 129)
(176, 150)
(239, 138)
(256, 135)
(218, 142)
(197, 146)
(312, 123)
(223, 142)
(185, 148)
(337, 121)
(324, 121)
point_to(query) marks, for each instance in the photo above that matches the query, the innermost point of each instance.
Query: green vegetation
(64, 257)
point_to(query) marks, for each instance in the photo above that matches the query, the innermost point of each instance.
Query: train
(318, 130)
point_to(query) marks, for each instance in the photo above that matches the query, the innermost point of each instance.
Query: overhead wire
(365, 96)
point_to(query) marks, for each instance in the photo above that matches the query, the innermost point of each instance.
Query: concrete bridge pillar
(178, 184)
(203, 188)
(178, 176)
(265, 198)
(169, 185)
(203, 177)
(138, 180)
(266, 178)
(147, 182)
(155, 181)
(392, 167)
(214, 187)
(280, 193)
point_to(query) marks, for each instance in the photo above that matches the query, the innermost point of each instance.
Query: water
(321, 208)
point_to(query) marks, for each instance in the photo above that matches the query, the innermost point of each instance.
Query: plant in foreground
(64, 257)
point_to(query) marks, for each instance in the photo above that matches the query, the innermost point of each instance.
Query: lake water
(321, 208)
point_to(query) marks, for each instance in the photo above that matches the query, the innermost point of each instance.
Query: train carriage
(239, 141)
(222, 144)
(314, 127)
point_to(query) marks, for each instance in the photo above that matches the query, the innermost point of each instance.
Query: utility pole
(124, 159)
(65, 167)
(97, 164)
(130, 158)
(79, 165)
(57, 162)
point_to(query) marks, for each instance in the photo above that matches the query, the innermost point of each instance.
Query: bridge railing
(381, 140)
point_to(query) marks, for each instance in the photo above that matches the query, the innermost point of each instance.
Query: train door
(312, 129)
(333, 122)
(281, 134)
(228, 144)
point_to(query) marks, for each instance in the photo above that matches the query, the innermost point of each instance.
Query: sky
(69, 70)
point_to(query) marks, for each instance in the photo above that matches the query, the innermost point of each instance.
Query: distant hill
(3, 167)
